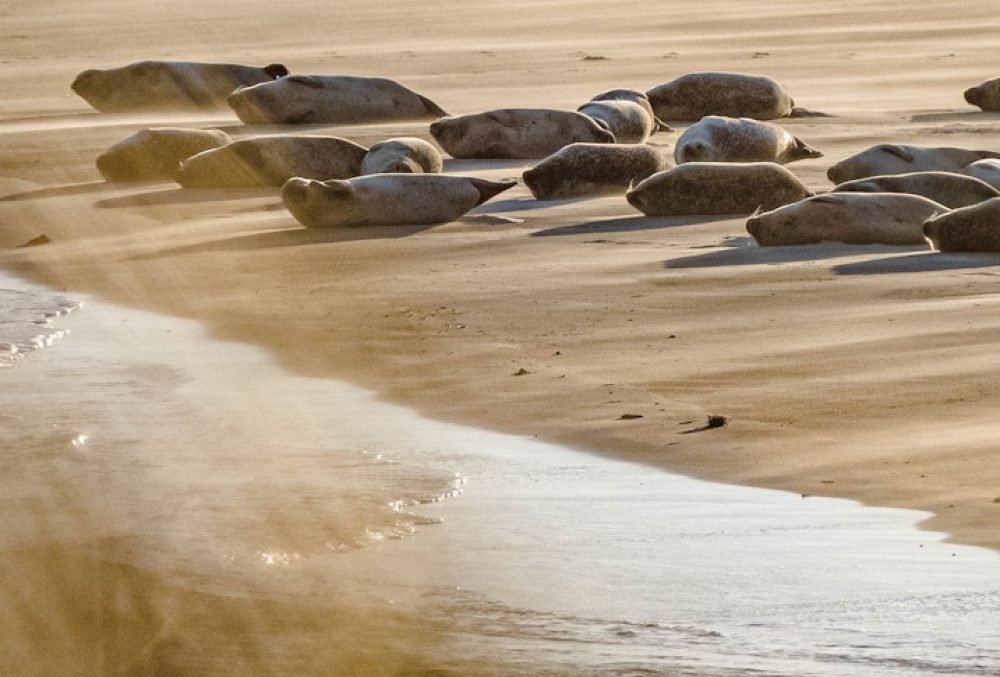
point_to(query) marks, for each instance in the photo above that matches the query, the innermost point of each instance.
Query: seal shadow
(744, 252)
(627, 224)
(178, 196)
(922, 262)
(962, 115)
(66, 190)
(473, 165)
(523, 204)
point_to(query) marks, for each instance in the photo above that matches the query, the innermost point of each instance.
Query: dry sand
(871, 373)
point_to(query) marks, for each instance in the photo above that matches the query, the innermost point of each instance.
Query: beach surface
(869, 373)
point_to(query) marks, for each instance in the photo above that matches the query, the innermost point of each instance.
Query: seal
(716, 188)
(521, 133)
(851, 218)
(975, 228)
(405, 155)
(695, 95)
(986, 96)
(156, 153)
(592, 168)
(627, 120)
(984, 170)
(272, 160)
(386, 199)
(887, 158)
(721, 139)
(951, 190)
(168, 85)
(330, 99)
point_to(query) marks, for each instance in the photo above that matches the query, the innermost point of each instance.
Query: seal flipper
(804, 151)
(898, 151)
(489, 189)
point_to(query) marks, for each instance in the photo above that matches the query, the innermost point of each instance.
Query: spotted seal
(975, 228)
(951, 190)
(694, 95)
(590, 168)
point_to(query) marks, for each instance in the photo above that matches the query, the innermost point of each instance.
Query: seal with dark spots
(406, 155)
(721, 139)
(272, 160)
(984, 170)
(168, 85)
(528, 133)
(627, 120)
(951, 190)
(592, 168)
(330, 99)
(975, 228)
(986, 96)
(695, 95)
(715, 188)
(156, 153)
(386, 199)
(888, 158)
(851, 218)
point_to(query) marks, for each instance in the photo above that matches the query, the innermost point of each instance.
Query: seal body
(156, 153)
(627, 120)
(951, 190)
(986, 96)
(984, 170)
(406, 155)
(386, 199)
(716, 188)
(272, 160)
(529, 133)
(852, 218)
(887, 158)
(695, 95)
(971, 229)
(589, 168)
(168, 85)
(721, 139)
(330, 99)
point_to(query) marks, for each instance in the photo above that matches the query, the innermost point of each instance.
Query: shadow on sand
(964, 115)
(627, 224)
(744, 252)
(178, 196)
(66, 190)
(921, 262)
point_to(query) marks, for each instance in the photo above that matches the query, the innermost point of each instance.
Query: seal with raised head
(272, 160)
(330, 99)
(721, 139)
(168, 85)
(984, 170)
(971, 229)
(851, 218)
(950, 189)
(156, 153)
(593, 168)
(386, 199)
(405, 155)
(736, 95)
(518, 133)
(889, 158)
(716, 188)
(986, 96)
(627, 120)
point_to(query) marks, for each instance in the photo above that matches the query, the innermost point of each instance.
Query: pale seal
(888, 158)
(695, 95)
(951, 190)
(851, 218)
(330, 99)
(971, 229)
(406, 155)
(720, 139)
(986, 96)
(528, 133)
(627, 120)
(156, 153)
(716, 188)
(168, 85)
(272, 160)
(591, 168)
(984, 170)
(386, 199)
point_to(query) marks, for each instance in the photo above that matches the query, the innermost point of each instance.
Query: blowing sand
(861, 372)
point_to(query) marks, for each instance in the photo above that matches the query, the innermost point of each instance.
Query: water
(177, 506)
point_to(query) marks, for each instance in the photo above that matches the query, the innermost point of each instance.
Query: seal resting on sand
(951, 190)
(971, 229)
(888, 158)
(721, 139)
(405, 155)
(589, 168)
(156, 153)
(716, 188)
(168, 85)
(626, 112)
(852, 218)
(695, 95)
(386, 199)
(528, 133)
(986, 96)
(272, 160)
(330, 99)
(984, 170)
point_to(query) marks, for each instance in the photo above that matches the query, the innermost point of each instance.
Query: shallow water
(174, 505)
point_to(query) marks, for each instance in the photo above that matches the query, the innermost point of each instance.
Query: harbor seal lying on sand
(971, 229)
(627, 120)
(168, 85)
(951, 190)
(852, 218)
(716, 188)
(330, 99)
(722, 139)
(635, 96)
(984, 170)
(386, 199)
(528, 133)
(888, 158)
(589, 168)
(272, 160)
(405, 155)
(156, 153)
(986, 95)
(735, 95)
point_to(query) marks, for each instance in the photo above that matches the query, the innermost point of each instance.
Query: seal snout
(82, 82)
(295, 190)
(974, 96)
(634, 198)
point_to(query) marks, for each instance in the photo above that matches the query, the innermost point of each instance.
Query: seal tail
(489, 189)
(432, 109)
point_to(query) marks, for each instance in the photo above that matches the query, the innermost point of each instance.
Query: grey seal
(889, 158)
(720, 139)
(156, 153)
(407, 155)
(695, 95)
(951, 190)
(971, 229)
(986, 96)
(589, 168)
